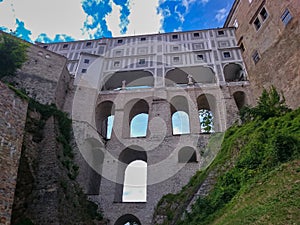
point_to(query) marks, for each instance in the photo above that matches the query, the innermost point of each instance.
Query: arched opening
(126, 80)
(180, 123)
(180, 116)
(93, 153)
(136, 114)
(138, 125)
(240, 99)
(128, 219)
(131, 183)
(234, 72)
(135, 182)
(104, 118)
(207, 111)
(187, 155)
(197, 74)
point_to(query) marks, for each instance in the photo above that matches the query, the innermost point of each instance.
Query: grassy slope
(272, 199)
(258, 177)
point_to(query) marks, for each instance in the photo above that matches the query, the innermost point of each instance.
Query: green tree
(12, 54)
(270, 104)
(206, 120)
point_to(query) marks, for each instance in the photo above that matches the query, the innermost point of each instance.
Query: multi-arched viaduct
(143, 98)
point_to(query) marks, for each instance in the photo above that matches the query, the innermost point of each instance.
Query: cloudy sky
(65, 20)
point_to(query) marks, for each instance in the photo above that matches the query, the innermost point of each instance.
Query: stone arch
(187, 155)
(128, 218)
(200, 74)
(133, 108)
(104, 115)
(133, 79)
(94, 156)
(240, 99)
(207, 103)
(180, 115)
(234, 72)
(128, 155)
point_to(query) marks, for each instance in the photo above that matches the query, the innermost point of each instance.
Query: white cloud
(41, 16)
(221, 14)
(113, 19)
(143, 18)
(204, 1)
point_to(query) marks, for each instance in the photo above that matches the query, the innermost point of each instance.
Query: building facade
(169, 80)
(268, 34)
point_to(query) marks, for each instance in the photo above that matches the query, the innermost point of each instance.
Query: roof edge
(233, 7)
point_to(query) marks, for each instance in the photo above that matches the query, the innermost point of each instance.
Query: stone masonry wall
(44, 76)
(12, 122)
(276, 43)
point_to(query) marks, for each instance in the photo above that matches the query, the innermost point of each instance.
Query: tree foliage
(12, 54)
(206, 120)
(270, 104)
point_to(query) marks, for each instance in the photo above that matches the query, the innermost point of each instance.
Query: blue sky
(65, 20)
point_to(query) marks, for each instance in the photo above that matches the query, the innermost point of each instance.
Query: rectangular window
(242, 47)
(175, 48)
(286, 17)
(263, 13)
(200, 57)
(88, 44)
(196, 35)
(221, 32)
(87, 61)
(226, 54)
(143, 39)
(142, 61)
(118, 52)
(117, 64)
(257, 24)
(65, 45)
(83, 71)
(176, 59)
(255, 57)
(175, 36)
(120, 41)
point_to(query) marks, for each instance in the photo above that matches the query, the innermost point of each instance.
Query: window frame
(86, 61)
(83, 70)
(117, 64)
(284, 15)
(142, 61)
(175, 36)
(255, 57)
(227, 55)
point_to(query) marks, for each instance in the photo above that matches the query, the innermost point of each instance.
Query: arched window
(128, 219)
(110, 122)
(207, 110)
(104, 118)
(138, 125)
(240, 99)
(206, 121)
(234, 72)
(187, 155)
(126, 80)
(136, 118)
(180, 123)
(135, 182)
(131, 183)
(180, 117)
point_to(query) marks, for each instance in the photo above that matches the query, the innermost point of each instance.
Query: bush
(12, 55)
(270, 104)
